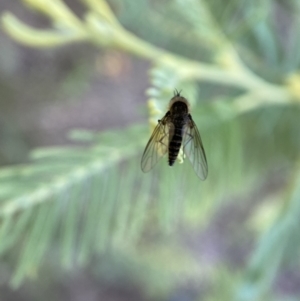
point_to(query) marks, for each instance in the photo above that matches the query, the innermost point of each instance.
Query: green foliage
(72, 191)
(243, 86)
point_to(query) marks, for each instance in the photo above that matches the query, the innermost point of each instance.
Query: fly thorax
(179, 121)
(179, 108)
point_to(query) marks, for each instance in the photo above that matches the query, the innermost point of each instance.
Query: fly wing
(194, 150)
(156, 147)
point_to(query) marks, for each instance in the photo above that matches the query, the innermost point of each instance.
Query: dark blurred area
(47, 92)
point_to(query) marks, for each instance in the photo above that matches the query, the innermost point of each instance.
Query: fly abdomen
(174, 145)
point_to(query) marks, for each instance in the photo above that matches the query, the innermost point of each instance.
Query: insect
(174, 131)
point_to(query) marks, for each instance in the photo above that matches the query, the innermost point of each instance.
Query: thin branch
(101, 27)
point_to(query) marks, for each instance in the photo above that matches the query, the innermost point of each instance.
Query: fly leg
(165, 134)
(190, 137)
(161, 140)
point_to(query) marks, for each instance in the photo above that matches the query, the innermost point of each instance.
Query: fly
(174, 131)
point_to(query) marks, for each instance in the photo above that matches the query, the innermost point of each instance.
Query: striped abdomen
(174, 145)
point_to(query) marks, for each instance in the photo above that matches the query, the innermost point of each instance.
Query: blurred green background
(78, 218)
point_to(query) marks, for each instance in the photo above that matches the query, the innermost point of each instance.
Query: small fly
(174, 131)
